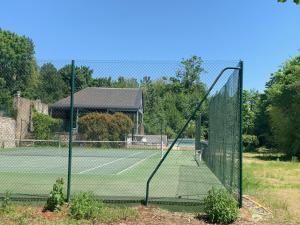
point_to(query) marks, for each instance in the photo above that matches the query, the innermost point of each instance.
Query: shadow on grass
(273, 157)
(270, 156)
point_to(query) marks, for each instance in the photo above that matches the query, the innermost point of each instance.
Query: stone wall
(24, 108)
(7, 132)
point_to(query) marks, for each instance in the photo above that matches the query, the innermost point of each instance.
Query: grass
(32, 214)
(275, 184)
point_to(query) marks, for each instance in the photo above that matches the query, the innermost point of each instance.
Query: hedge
(104, 127)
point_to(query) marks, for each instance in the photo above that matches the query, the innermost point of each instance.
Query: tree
(6, 101)
(283, 97)
(83, 77)
(123, 82)
(51, 86)
(262, 127)
(251, 101)
(295, 1)
(17, 63)
(189, 76)
(172, 99)
(101, 82)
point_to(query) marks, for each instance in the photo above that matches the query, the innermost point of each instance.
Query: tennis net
(81, 148)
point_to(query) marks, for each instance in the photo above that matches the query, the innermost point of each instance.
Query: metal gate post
(72, 83)
(241, 65)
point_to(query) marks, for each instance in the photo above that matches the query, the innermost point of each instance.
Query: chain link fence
(125, 130)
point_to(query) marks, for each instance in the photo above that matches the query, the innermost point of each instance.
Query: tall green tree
(283, 96)
(52, 86)
(171, 99)
(251, 100)
(83, 77)
(102, 82)
(17, 63)
(123, 82)
(6, 101)
(262, 127)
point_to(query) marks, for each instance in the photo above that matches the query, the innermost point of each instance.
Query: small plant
(220, 207)
(85, 206)
(250, 142)
(56, 198)
(6, 206)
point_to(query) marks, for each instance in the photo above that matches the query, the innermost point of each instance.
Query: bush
(45, 126)
(220, 207)
(94, 126)
(56, 198)
(85, 206)
(103, 127)
(123, 125)
(250, 142)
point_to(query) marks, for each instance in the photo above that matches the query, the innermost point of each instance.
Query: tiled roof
(104, 98)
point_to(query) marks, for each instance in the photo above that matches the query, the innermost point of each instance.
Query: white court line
(135, 164)
(84, 171)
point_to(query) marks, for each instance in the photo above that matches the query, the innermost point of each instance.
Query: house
(105, 100)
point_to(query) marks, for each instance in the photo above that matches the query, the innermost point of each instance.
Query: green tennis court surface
(113, 174)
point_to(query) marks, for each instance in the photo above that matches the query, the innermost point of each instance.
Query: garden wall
(24, 109)
(7, 132)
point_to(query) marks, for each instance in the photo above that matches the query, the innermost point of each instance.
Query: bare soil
(251, 214)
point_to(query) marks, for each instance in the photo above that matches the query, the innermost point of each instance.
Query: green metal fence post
(241, 132)
(198, 137)
(72, 83)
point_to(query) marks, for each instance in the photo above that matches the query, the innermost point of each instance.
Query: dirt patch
(52, 216)
(252, 214)
(154, 215)
(256, 211)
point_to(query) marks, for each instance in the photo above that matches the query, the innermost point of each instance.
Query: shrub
(93, 126)
(103, 126)
(44, 126)
(85, 206)
(6, 206)
(250, 142)
(123, 124)
(56, 198)
(220, 207)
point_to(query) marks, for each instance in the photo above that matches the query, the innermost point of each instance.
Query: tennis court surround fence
(129, 131)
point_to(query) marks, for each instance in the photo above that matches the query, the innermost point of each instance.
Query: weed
(85, 206)
(56, 198)
(6, 206)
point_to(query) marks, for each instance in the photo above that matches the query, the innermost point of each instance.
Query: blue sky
(262, 33)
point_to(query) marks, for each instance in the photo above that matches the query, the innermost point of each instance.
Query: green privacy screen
(127, 118)
(223, 151)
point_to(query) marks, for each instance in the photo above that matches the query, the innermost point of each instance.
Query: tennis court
(112, 174)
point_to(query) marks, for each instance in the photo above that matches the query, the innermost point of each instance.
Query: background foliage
(270, 117)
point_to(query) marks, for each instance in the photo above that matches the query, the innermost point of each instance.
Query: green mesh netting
(222, 155)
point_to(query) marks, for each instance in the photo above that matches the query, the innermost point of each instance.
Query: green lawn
(275, 184)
